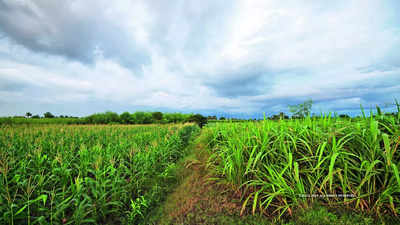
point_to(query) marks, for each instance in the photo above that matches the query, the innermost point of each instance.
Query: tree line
(298, 112)
(137, 118)
(109, 117)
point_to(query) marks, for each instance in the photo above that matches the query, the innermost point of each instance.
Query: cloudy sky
(227, 57)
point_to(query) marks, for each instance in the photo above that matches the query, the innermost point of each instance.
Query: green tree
(157, 115)
(48, 115)
(176, 117)
(211, 117)
(301, 110)
(280, 116)
(139, 116)
(111, 117)
(344, 116)
(198, 119)
(28, 114)
(148, 118)
(126, 118)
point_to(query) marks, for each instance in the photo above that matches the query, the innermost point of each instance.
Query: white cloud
(188, 55)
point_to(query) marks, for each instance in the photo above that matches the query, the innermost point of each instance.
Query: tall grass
(278, 166)
(86, 174)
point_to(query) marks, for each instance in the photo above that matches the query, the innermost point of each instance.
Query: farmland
(58, 174)
(279, 166)
(121, 174)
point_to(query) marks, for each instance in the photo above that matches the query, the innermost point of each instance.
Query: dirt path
(199, 200)
(197, 195)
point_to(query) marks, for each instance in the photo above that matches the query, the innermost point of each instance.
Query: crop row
(86, 174)
(278, 166)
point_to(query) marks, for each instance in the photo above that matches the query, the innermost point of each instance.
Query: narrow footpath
(198, 199)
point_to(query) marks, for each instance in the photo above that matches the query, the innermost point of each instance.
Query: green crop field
(280, 166)
(57, 174)
(243, 112)
(123, 174)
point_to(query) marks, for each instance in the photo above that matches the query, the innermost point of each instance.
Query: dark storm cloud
(249, 80)
(379, 90)
(55, 27)
(235, 86)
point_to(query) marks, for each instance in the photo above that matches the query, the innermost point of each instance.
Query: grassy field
(59, 174)
(298, 171)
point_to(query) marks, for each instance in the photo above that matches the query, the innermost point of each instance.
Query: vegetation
(48, 115)
(279, 170)
(108, 118)
(157, 116)
(281, 116)
(56, 174)
(36, 120)
(198, 119)
(301, 110)
(278, 167)
(200, 200)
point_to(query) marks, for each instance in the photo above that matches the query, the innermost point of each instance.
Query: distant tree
(111, 117)
(283, 116)
(62, 116)
(48, 115)
(184, 117)
(164, 121)
(143, 117)
(222, 118)
(168, 117)
(344, 116)
(139, 117)
(274, 117)
(212, 117)
(28, 114)
(157, 115)
(198, 119)
(148, 118)
(176, 117)
(35, 116)
(102, 118)
(126, 118)
(280, 116)
(301, 110)
(133, 118)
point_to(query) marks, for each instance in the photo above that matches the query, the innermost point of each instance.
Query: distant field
(57, 174)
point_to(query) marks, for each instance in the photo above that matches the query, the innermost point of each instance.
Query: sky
(232, 58)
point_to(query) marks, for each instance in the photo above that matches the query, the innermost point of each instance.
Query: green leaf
(21, 209)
